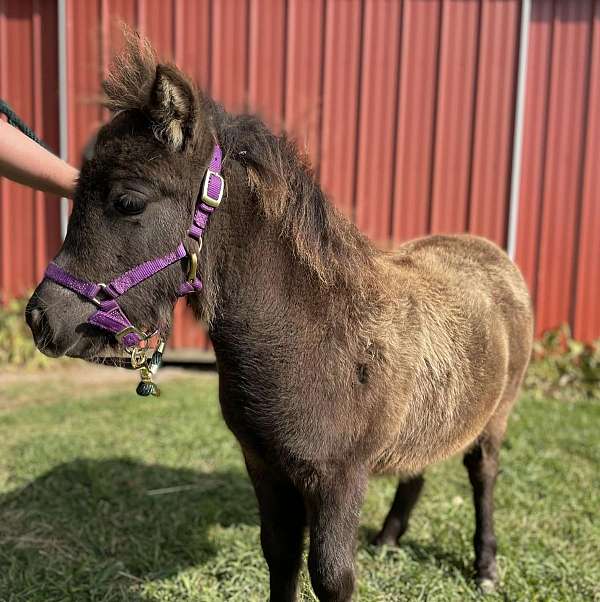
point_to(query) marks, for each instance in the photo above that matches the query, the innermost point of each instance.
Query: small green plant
(16, 345)
(564, 367)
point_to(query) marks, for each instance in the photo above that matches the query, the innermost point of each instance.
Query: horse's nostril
(36, 318)
(40, 329)
(47, 339)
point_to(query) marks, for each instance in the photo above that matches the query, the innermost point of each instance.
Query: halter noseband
(110, 317)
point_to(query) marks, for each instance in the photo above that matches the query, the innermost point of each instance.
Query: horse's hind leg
(396, 522)
(481, 462)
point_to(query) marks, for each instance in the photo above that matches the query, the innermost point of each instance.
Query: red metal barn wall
(558, 244)
(407, 110)
(29, 221)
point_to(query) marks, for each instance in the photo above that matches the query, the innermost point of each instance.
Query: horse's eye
(130, 205)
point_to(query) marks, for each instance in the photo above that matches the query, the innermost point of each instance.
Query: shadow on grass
(87, 525)
(428, 553)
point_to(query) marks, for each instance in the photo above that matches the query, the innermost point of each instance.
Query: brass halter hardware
(148, 368)
(192, 268)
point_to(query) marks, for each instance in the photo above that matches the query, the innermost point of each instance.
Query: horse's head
(134, 202)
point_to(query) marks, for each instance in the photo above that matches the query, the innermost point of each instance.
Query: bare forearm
(26, 162)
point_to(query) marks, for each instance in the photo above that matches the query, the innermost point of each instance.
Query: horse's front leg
(334, 508)
(282, 523)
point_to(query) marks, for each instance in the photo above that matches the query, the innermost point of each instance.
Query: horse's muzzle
(37, 320)
(53, 316)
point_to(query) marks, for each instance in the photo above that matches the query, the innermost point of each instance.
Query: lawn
(106, 496)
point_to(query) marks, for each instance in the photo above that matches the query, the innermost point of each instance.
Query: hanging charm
(148, 370)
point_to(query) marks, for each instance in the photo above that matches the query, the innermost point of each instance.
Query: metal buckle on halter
(192, 267)
(206, 198)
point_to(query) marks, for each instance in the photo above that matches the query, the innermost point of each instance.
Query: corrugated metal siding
(416, 119)
(229, 57)
(405, 108)
(534, 140)
(381, 30)
(586, 318)
(494, 119)
(341, 100)
(457, 78)
(304, 57)
(29, 221)
(558, 198)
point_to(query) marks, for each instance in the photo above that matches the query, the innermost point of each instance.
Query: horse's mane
(279, 177)
(290, 198)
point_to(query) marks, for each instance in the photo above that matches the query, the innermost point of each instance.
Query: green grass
(105, 496)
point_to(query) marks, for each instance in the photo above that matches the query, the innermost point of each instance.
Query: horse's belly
(431, 434)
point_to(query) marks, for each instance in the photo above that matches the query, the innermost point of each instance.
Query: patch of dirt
(78, 373)
(35, 387)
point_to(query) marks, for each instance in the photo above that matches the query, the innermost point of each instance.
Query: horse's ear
(172, 106)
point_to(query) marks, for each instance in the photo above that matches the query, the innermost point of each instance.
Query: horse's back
(475, 268)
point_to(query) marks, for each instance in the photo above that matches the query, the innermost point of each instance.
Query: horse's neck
(243, 260)
(254, 271)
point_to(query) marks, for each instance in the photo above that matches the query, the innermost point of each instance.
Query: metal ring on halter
(138, 357)
(95, 300)
(131, 330)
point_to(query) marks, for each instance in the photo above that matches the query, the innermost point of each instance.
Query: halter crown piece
(110, 317)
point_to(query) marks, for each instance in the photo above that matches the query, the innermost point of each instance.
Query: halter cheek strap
(109, 316)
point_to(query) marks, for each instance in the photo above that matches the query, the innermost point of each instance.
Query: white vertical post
(517, 155)
(63, 105)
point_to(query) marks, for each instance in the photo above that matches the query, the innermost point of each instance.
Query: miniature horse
(336, 360)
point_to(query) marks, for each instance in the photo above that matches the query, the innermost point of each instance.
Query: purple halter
(110, 316)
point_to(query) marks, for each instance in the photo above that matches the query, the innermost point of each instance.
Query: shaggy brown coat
(336, 360)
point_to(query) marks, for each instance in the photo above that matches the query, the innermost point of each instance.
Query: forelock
(132, 74)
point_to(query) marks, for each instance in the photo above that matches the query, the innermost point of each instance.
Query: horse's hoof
(486, 585)
(381, 539)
